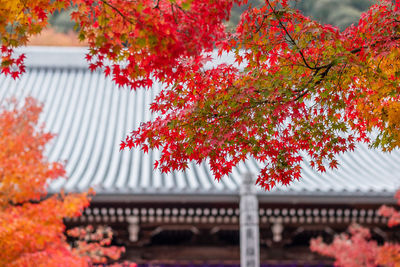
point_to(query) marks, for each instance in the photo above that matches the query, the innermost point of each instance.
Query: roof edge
(232, 198)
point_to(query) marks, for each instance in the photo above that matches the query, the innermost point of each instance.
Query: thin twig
(290, 37)
(157, 5)
(118, 11)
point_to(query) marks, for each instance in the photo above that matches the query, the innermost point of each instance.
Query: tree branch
(118, 11)
(20, 204)
(157, 5)
(289, 36)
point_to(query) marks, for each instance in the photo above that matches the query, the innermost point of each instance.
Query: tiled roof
(91, 115)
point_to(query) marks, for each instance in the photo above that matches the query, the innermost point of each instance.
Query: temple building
(188, 218)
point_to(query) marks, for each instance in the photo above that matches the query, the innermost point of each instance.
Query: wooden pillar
(133, 228)
(249, 229)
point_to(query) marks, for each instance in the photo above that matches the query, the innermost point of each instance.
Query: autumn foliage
(297, 91)
(95, 244)
(357, 249)
(31, 222)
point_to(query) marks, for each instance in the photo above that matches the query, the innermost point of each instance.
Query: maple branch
(323, 74)
(157, 5)
(301, 95)
(262, 23)
(20, 204)
(328, 66)
(356, 50)
(289, 36)
(184, 12)
(173, 14)
(118, 11)
(340, 74)
(314, 75)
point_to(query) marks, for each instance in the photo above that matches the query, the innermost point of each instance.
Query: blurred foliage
(51, 37)
(340, 13)
(61, 21)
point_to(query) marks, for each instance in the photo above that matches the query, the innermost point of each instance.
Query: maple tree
(297, 91)
(357, 248)
(31, 224)
(31, 221)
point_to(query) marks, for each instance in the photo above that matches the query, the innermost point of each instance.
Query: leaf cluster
(356, 248)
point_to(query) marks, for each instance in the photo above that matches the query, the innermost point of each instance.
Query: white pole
(249, 230)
